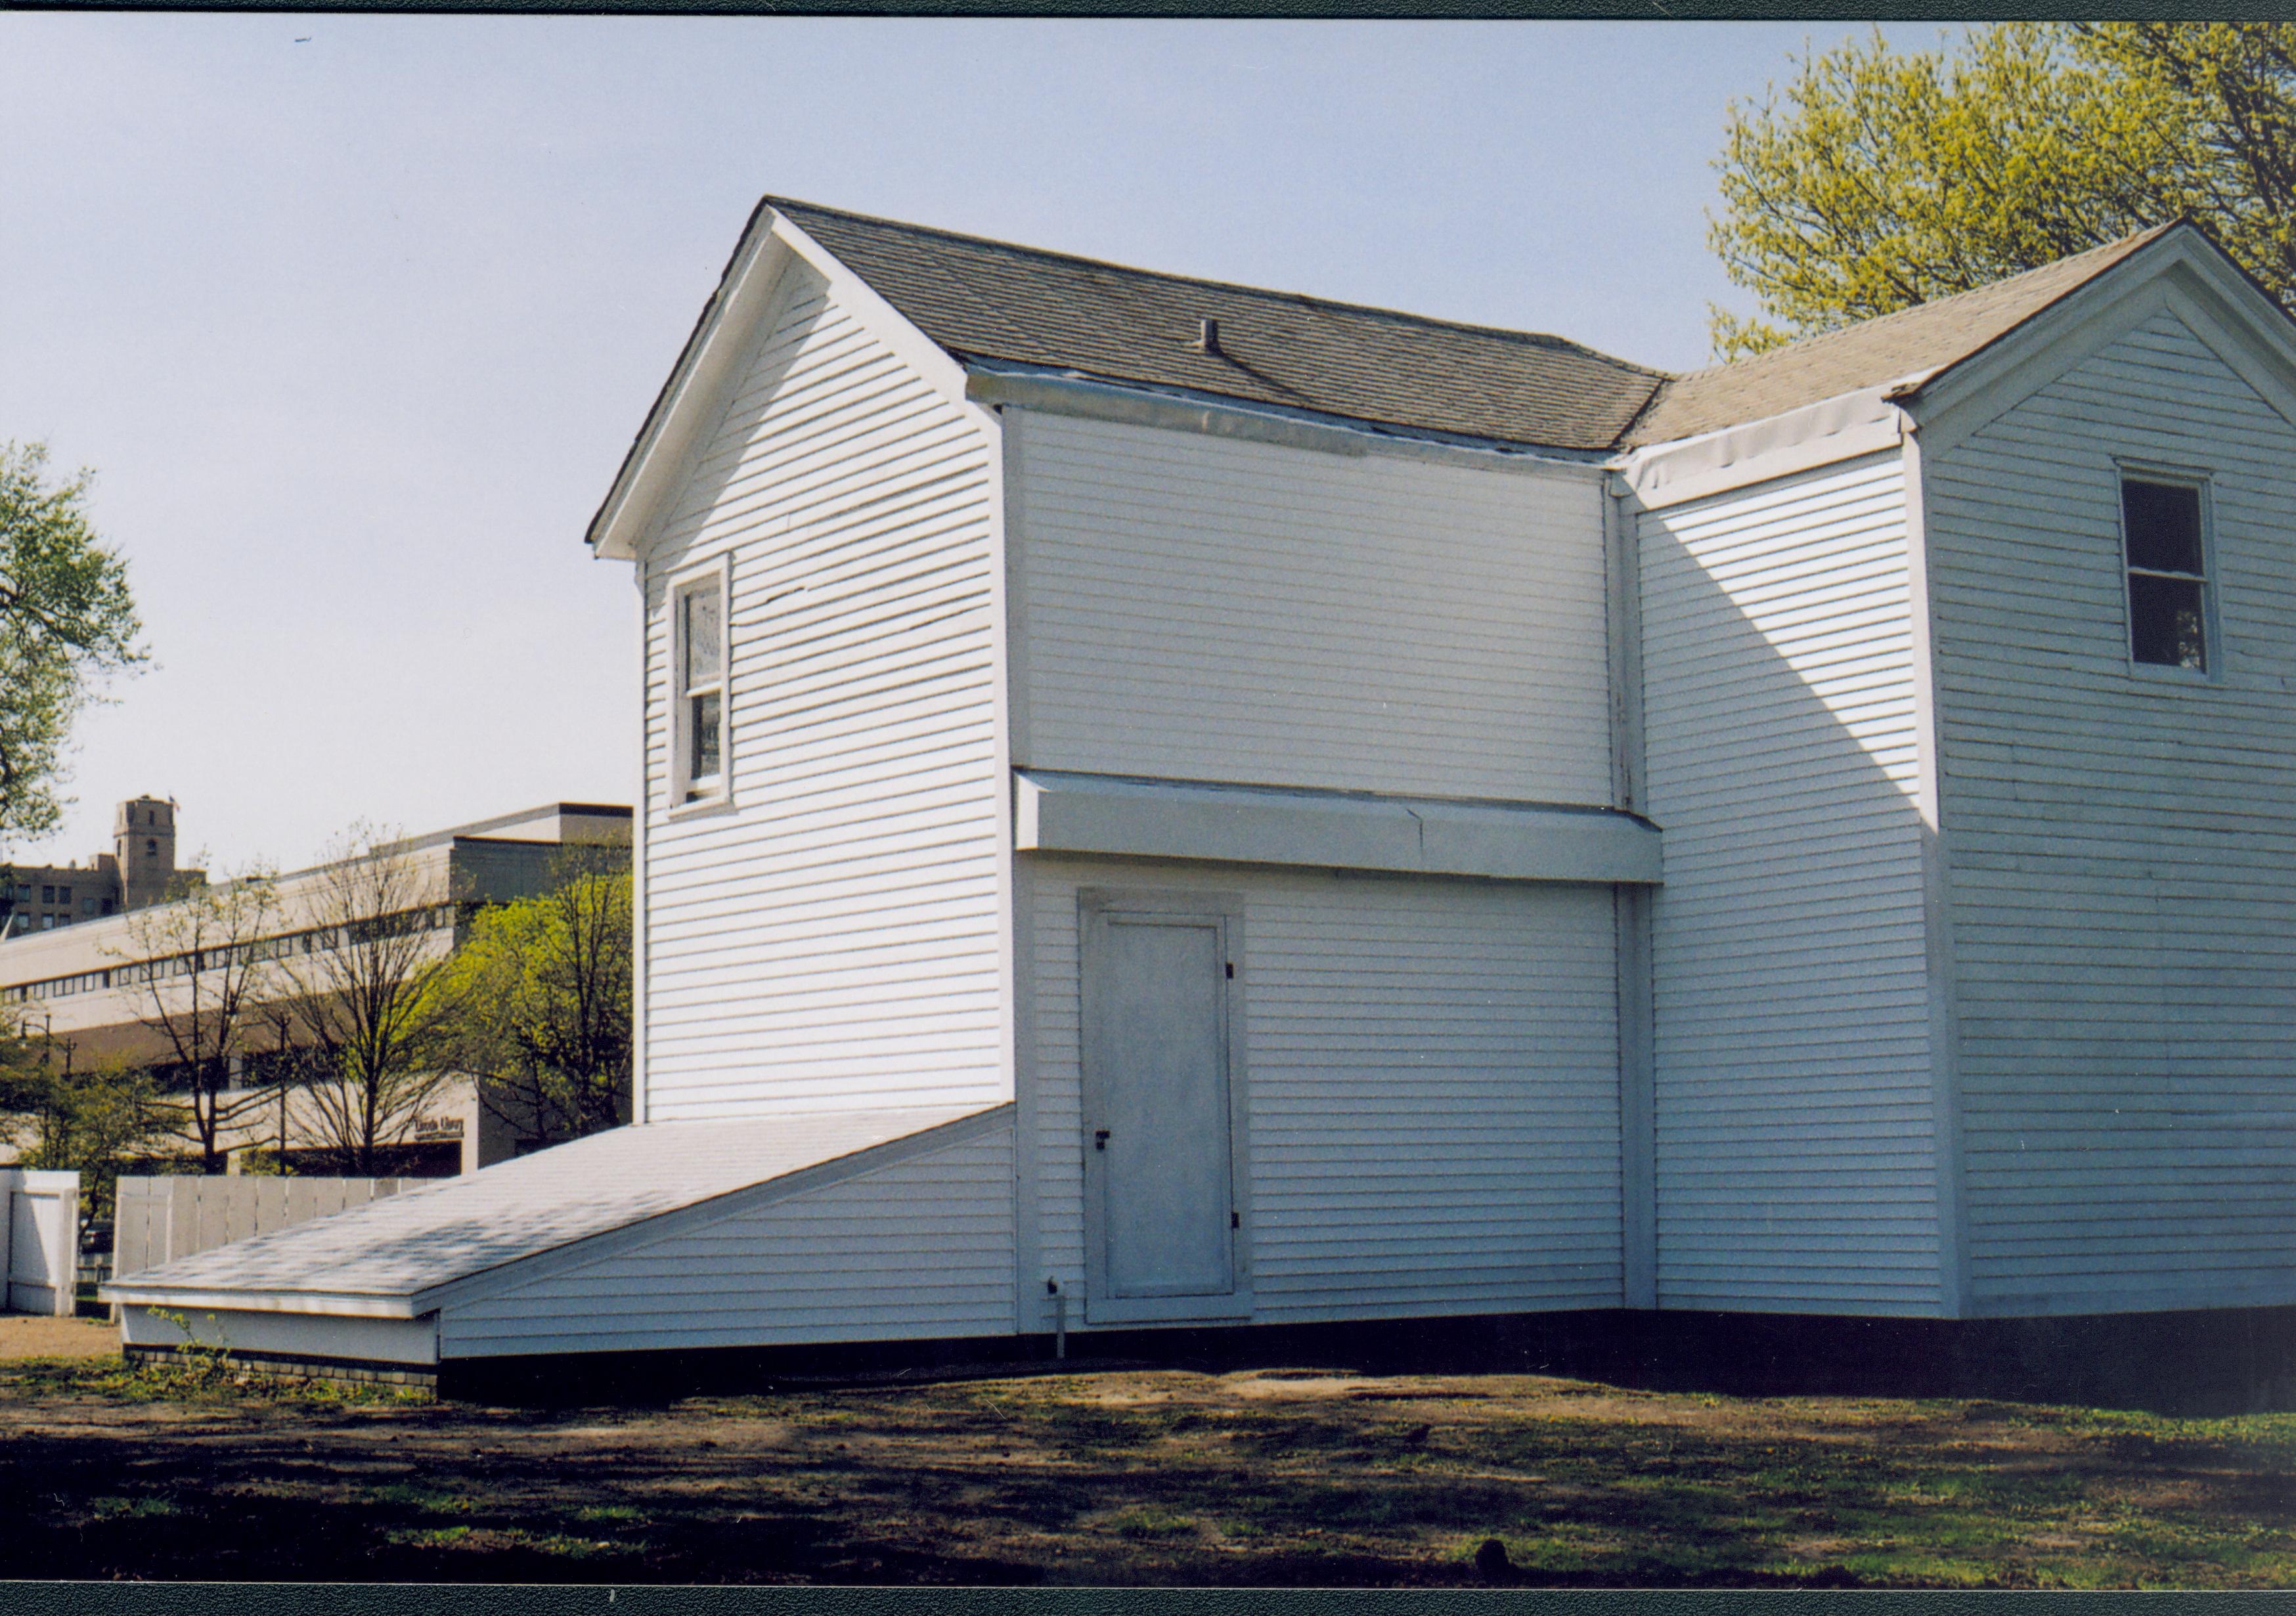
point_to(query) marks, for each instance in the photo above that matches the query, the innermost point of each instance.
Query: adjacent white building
(1168, 803)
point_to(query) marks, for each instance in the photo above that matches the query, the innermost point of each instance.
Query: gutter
(1214, 414)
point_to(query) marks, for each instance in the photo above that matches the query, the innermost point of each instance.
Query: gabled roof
(1924, 339)
(990, 300)
(987, 306)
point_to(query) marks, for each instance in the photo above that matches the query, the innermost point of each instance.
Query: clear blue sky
(354, 317)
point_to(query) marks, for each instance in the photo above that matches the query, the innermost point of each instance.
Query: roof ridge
(1307, 300)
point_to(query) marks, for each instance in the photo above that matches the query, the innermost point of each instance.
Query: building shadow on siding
(1798, 1158)
(1785, 1182)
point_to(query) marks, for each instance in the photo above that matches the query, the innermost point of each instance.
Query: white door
(1159, 1145)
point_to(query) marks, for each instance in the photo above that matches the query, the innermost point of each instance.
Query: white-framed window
(2166, 546)
(700, 605)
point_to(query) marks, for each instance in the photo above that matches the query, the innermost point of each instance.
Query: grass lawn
(1262, 1476)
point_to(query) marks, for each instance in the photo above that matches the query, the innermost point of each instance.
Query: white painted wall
(1796, 1140)
(1209, 608)
(1432, 1089)
(833, 941)
(922, 1248)
(2122, 852)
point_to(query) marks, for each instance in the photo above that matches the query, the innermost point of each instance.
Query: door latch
(1100, 1138)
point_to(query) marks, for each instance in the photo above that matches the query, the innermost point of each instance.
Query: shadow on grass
(1300, 1476)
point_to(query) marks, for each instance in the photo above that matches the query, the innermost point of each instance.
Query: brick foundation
(281, 1366)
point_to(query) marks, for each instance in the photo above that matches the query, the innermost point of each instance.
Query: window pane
(705, 736)
(2164, 524)
(701, 637)
(2165, 622)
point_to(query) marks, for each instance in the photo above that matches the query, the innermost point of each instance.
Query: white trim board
(332, 1304)
(1058, 812)
(694, 396)
(361, 1341)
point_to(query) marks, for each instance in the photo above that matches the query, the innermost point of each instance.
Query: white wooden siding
(835, 939)
(1796, 1148)
(919, 1249)
(1431, 1073)
(2123, 855)
(1204, 608)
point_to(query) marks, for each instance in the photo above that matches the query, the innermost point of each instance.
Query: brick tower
(143, 838)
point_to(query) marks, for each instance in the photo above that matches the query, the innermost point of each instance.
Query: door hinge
(1236, 1220)
(1231, 971)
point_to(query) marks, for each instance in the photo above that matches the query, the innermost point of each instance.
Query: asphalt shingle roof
(1926, 337)
(989, 300)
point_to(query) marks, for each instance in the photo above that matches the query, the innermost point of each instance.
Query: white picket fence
(160, 1219)
(42, 1248)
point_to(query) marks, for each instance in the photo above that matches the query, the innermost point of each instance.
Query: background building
(89, 992)
(138, 871)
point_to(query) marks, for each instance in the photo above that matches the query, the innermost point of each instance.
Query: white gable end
(2180, 275)
(826, 931)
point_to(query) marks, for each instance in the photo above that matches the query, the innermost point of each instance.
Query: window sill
(2188, 677)
(700, 807)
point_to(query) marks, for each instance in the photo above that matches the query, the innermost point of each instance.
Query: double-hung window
(2164, 542)
(698, 613)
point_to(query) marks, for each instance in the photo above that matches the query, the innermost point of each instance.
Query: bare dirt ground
(1137, 1476)
(22, 1335)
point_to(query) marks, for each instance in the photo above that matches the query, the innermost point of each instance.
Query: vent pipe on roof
(1207, 336)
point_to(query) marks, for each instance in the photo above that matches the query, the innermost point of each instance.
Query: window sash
(700, 654)
(2170, 610)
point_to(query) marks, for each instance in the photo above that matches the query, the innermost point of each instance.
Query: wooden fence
(160, 1219)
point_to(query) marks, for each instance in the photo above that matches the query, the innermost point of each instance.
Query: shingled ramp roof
(989, 300)
(1927, 337)
(396, 1249)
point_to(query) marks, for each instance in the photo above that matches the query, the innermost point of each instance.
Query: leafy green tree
(2231, 85)
(542, 997)
(66, 620)
(64, 1114)
(1877, 180)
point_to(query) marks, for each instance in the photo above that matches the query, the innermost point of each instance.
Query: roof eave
(709, 362)
(343, 1304)
(614, 529)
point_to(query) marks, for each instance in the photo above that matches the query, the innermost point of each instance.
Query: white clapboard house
(1169, 803)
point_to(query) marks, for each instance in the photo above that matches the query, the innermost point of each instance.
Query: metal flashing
(1176, 409)
(1058, 812)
